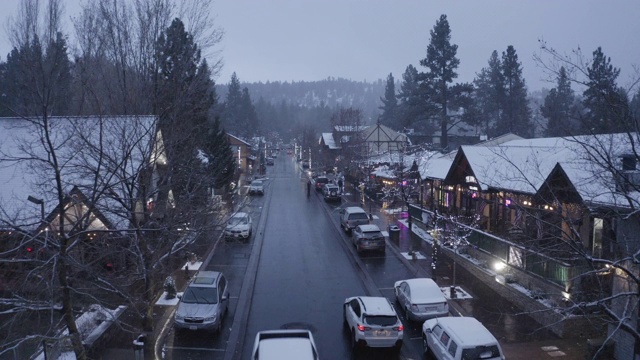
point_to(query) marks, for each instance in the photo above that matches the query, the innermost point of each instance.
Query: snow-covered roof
(238, 139)
(524, 164)
(123, 144)
(328, 140)
(350, 128)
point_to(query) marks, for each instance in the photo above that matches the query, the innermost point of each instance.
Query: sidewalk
(562, 349)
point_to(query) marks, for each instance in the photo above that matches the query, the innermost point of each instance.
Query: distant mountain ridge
(331, 92)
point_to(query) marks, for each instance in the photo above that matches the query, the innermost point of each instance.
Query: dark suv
(320, 182)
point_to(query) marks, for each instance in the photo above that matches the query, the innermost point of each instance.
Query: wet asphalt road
(307, 267)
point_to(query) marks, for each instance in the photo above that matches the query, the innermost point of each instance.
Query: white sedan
(421, 298)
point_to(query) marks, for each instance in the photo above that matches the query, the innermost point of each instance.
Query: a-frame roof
(100, 156)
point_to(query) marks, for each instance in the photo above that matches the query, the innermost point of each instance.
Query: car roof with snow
(369, 228)
(424, 290)
(374, 305)
(468, 330)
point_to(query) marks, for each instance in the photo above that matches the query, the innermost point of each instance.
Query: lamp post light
(38, 202)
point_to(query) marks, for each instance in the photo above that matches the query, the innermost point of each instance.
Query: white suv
(373, 322)
(238, 226)
(284, 344)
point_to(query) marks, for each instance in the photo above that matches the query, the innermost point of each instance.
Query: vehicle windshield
(380, 320)
(256, 183)
(359, 216)
(322, 180)
(238, 221)
(372, 234)
(200, 295)
(481, 353)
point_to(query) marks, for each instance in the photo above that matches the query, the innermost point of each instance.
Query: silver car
(368, 237)
(421, 299)
(204, 302)
(256, 187)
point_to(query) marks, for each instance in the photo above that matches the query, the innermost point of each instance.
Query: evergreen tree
(249, 118)
(409, 106)
(559, 108)
(516, 115)
(607, 106)
(184, 97)
(389, 104)
(37, 79)
(489, 94)
(441, 63)
(634, 108)
(221, 163)
(239, 114)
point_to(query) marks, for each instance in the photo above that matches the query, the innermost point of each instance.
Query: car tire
(354, 342)
(425, 347)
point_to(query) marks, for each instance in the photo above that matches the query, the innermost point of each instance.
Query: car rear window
(481, 353)
(322, 180)
(359, 216)
(372, 234)
(380, 320)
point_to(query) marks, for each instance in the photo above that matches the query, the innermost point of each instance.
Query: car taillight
(363, 328)
(399, 328)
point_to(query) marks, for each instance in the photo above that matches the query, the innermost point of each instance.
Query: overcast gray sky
(287, 40)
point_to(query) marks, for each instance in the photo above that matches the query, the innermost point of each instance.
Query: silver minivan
(204, 302)
(352, 216)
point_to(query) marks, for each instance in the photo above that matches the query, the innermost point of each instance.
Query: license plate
(193, 327)
(381, 333)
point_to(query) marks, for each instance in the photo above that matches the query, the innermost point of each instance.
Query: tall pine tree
(559, 108)
(607, 105)
(441, 63)
(389, 116)
(490, 94)
(516, 115)
(184, 97)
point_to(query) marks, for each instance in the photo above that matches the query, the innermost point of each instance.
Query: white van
(456, 338)
(352, 216)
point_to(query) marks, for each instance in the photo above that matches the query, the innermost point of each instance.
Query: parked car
(331, 192)
(320, 182)
(368, 237)
(421, 299)
(270, 161)
(256, 187)
(238, 226)
(204, 302)
(457, 338)
(353, 216)
(372, 322)
(284, 345)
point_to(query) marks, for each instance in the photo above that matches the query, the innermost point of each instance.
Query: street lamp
(38, 202)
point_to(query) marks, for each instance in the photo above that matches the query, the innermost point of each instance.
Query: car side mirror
(224, 297)
(428, 330)
(179, 296)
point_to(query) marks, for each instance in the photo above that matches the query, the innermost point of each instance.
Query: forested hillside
(331, 93)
